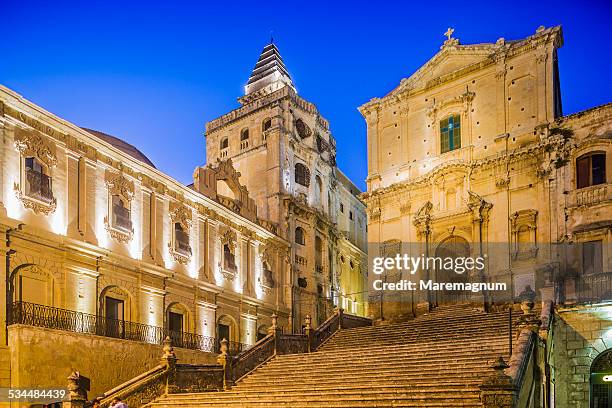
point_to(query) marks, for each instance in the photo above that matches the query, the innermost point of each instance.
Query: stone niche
(44, 358)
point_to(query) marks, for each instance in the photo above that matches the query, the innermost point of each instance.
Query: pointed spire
(269, 72)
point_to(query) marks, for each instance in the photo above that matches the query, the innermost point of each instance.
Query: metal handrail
(50, 317)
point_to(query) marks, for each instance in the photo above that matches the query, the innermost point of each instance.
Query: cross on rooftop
(449, 32)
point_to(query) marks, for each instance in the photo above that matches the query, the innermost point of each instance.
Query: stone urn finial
(168, 356)
(223, 348)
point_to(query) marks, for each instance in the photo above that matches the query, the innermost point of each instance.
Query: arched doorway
(451, 248)
(601, 380)
(177, 324)
(227, 329)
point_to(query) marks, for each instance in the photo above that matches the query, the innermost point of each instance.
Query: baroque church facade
(104, 252)
(471, 155)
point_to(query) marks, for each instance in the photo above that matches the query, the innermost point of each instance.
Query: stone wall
(580, 335)
(44, 358)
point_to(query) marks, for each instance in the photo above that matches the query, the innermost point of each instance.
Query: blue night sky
(154, 73)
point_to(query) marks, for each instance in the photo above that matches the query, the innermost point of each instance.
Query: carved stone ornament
(39, 207)
(265, 253)
(118, 235)
(182, 215)
(465, 100)
(117, 184)
(228, 237)
(227, 275)
(31, 143)
(422, 218)
(479, 207)
(177, 256)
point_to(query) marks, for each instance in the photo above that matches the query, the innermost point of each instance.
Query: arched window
(224, 143)
(300, 236)
(601, 388)
(121, 214)
(266, 124)
(302, 175)
(244, 139)
(450, 133)
(590, 169)
(318, 190)
(38, 183)
(244, 135)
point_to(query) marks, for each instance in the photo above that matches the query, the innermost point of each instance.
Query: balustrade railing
(325, 331)
(252, 358)
(591, 195)
(49, 317)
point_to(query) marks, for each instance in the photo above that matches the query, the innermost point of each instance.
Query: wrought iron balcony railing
(39, 186)
(49, 317)
(595, 287)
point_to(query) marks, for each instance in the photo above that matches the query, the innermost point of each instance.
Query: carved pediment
(32, 143)
(228, 237)
(181, 214)
(119, 185)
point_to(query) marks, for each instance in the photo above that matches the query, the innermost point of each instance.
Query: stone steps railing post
(340, 312)
(308, 332)
(78, 386)
(222, 360)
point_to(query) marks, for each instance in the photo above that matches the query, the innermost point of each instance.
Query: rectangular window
(592, 257)
(583, 169)
(599, 168)
(450, 133)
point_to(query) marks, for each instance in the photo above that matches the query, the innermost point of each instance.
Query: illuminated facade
(471, 155)
(105, 255)
(286, 154)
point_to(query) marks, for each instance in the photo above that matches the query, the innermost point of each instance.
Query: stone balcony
(589, 196)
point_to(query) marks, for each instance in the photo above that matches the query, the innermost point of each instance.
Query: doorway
(115, 320)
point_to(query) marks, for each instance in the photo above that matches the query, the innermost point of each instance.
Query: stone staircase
(436, 360)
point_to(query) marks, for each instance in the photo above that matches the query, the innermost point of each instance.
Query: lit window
(591, 170)
(181, 240)
(229, 260)
(121, 214)
(38, 184)
(450, 133)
